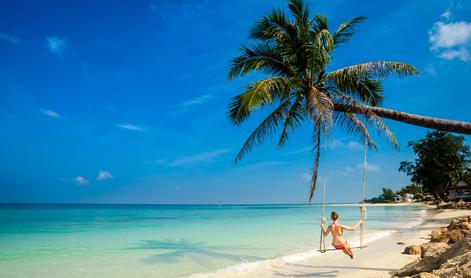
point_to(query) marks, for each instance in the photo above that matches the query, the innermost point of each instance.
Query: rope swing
(363, 189)
(322, 247)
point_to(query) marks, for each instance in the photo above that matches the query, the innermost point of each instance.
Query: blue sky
(127, 103)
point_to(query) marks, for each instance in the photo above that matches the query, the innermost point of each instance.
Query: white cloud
(303, 150)
(79, 180)
(446, 35)
(9, 38)
(183, 107)
(104, 175)
(56, 45)
(205, 157)
(130, 127)
(50, 113)
(369, 167)
(353, 145)
(451, 40)
(446, 14)
(462, 54)
(196, 100)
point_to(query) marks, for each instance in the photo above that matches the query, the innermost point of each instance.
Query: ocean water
(167, 240)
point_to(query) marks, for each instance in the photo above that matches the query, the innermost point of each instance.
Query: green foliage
(388, 194)
(295, 51)
(376, 200)
(442, 160)
(386, 197)
(414, 189)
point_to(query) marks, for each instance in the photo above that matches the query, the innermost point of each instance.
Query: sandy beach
(382, 258)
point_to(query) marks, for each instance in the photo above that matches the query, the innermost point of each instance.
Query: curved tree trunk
(413, 119)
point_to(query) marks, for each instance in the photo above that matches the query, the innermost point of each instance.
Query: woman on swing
(337, 233)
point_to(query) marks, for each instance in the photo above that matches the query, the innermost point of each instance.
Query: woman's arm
(348, 228)
(325, 233)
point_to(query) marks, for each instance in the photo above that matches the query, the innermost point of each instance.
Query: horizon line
(170, 204)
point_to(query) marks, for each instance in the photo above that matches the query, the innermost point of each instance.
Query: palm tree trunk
(413, 119)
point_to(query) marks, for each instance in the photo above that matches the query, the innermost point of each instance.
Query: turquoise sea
(166, 240)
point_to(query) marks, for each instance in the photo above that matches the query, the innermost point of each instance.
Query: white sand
(381, 259)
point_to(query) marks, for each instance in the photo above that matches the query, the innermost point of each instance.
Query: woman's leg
(348, 251)
(344, 250)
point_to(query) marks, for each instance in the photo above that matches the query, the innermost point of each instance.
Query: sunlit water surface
(163, 240)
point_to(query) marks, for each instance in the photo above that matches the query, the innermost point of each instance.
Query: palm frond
(368, 90)
(260, 57)
(272, 27)
(321, 22)
(266, 128)
(300, 11)
(354, 126)
(320, 46)
(382, 128)
(325, 39)
(320, 107)
(375, 70)
(259, 94)
(316, 58)
(347, 29)
(294, 119)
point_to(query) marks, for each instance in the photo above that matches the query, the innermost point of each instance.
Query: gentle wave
(418, 221)
(244, 267)
(280, 261)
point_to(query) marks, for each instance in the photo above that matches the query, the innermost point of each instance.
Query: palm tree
(296, 52)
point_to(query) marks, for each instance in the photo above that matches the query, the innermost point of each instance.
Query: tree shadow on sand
(171, 251)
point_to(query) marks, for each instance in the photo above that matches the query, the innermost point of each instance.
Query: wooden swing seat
(333, 249)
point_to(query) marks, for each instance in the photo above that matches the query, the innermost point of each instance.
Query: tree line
(442, 160)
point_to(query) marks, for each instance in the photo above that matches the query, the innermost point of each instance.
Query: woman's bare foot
(350, 253)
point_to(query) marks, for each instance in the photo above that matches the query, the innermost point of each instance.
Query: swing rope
(363, 187)
(322, 239)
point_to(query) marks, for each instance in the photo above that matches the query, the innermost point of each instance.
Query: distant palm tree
(296, 52)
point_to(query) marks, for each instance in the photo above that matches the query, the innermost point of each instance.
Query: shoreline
(382, 205)
(382, 258)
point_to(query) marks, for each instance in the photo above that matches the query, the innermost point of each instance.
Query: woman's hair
(334, 215)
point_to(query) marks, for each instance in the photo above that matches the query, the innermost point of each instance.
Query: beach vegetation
(442, 159)
(414, 189)
(388, 195)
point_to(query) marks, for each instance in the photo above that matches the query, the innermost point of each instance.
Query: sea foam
(246, 267)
